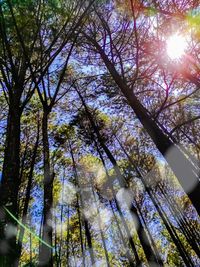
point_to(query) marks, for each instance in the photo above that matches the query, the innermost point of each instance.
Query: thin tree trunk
(80, 215)
(73, 253)
(40, 230)
(151, 257)
(45, 254)
(89, 242)
(80, 231)
(23, 160)
(28, 193)
(55, 243)
(67, 236)
(104, 246)
(61, 221)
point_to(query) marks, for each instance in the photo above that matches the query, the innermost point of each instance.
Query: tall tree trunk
(80, 230)
(89, 242)
(61, 222)
(73, 253)
(10, 183)
(45, 253)
(184, 170)
(28, 194)
(56, 258)
(67, 241)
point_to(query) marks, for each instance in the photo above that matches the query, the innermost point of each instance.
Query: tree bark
(67, 241)
(10, 183)
(28, 194)
(89, 242)
(45, 253)
(80, 231)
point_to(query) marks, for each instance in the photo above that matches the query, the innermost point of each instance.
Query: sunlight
(176, 46)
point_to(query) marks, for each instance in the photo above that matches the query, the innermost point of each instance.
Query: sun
(176, 46)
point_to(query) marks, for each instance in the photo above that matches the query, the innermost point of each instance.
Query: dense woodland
(99, 133)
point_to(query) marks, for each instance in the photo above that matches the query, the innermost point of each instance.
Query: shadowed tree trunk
(80, 231)
(28, 194)
(89, 242)
(67, 241)
(56, 258)
(45, 253)
(10, 183)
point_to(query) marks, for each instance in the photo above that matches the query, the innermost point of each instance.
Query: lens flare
(176, 46)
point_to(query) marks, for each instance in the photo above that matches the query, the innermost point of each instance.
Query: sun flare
(176, 46)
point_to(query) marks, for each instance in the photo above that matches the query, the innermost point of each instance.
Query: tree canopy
(99, 125)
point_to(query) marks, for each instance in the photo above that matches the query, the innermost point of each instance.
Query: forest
(99, 133)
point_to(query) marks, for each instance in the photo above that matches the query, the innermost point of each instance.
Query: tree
(29, 62)
(172, 152)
